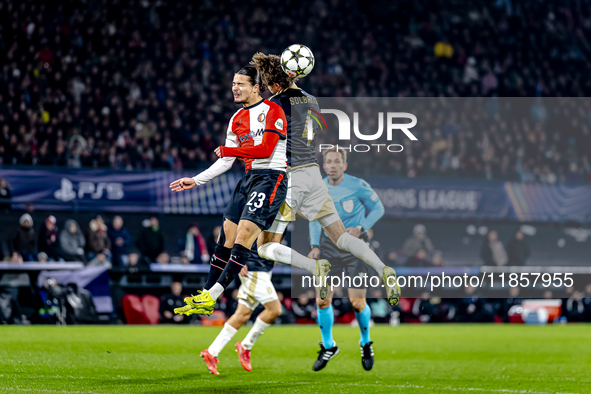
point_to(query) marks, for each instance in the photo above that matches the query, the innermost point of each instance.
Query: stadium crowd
(111, 245)
(68, 304)
(99, 244)
(143, 84)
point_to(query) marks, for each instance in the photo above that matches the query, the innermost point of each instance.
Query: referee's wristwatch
(360, 227)
(314, 246)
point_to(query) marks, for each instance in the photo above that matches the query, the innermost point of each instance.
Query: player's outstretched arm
(218, 168)
(182, 184)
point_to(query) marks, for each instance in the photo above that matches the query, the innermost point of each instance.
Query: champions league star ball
(297, 61)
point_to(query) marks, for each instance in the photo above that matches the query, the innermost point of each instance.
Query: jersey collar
(254, 105)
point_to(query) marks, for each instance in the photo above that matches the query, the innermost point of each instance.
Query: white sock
(276, 252)
(222, 339)
(361, 250)
(258, 328)
(216, 291)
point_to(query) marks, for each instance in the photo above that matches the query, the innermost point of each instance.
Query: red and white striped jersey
(247, 126)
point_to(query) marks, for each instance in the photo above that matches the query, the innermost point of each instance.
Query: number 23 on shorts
(256, 200)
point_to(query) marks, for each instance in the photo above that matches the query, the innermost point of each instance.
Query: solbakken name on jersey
(303, 100)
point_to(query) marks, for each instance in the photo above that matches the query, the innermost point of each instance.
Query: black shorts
(340, 260)
(258, 197)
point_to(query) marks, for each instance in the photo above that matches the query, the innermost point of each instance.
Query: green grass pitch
(409, 359)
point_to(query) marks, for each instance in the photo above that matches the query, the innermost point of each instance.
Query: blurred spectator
(100, 260)
(135, 261)
(380, 309)
(195, 246)
(169, 302)
(151, 241)
(42, 257)
(23, 239)
(507, 303)
(48, 238)
(5, 195)
(10, 311)
(229, 302)
(165, 109)
(517, 249)
(98, 240)
(213, 239)
(120, 240)
(429, 309)
(418, 260)
(286, 316)
(391, 258)
(304, 309)
(79, 305)
(473, 309)
(72, 242)
(437, 259)
(418, 247)
(15, 257)
(443, 49)
(492, 251)
(575, 308)
(587, 301)
(163, 258)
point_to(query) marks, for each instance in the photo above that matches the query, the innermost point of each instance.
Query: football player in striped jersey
(257, 133)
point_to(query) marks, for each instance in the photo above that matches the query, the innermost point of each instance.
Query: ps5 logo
(114, 191)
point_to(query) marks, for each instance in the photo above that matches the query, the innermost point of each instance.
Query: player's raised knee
(323, 304)
(275, 310)
(358, 304)
(272, 251)
(262, 250)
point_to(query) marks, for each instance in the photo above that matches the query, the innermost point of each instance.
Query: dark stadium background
(142, 87)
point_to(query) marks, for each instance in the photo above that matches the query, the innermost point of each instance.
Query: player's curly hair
(269, 67)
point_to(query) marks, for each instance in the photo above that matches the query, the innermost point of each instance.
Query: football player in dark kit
(307, 192)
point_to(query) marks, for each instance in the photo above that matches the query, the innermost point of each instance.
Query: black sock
(217, 263)
(238, 259)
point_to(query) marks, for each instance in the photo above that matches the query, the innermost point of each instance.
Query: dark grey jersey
(300, 110)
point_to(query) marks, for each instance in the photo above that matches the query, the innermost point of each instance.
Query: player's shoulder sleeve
(231, 138)
(276, 121)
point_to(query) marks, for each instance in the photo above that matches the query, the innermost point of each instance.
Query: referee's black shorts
(343, 261)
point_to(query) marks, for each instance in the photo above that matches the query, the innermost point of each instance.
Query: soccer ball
(297, 61)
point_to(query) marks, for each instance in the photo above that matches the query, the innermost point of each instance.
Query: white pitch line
(398, 386)
(53, 391)
(409, 386)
